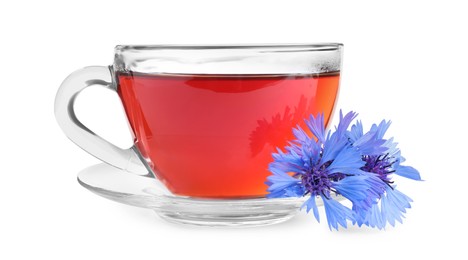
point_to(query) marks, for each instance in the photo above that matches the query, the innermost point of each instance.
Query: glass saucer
(147, 192)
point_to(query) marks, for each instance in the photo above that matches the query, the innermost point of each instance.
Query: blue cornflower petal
(339, 139)
(347, 161)
(392, 149)
(287, 162)
(281, 183)
(354, 188)
(337, 214)
(373, 218)
(390, 209)
(362, 139)
(362, 190)
(294, 191)
(345, 121)
(300, 135)
(290, 157)
(311, 204)
(399, 159)
(381, 129)
(317, 127)
(280, 180)
(286, 167)
(356, 131)
(333, 145)
(368, 144)
(376, 184)
(408, 172)
(394, 204)
(294, 146)
(276, 194)
(310, 153)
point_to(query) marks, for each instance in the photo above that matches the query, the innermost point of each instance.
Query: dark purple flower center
(381, 165)
(317, 181)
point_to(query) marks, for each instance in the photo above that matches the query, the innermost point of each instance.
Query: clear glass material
(229, 59)
(141, 191)
(80, 134)
(205, 120)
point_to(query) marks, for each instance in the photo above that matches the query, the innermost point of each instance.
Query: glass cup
(206, 119)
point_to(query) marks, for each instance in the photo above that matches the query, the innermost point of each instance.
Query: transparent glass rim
(329, 46)
(237, 59)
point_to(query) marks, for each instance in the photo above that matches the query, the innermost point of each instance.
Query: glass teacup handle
(126, 159)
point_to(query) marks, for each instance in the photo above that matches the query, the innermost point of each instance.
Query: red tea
(213, 135)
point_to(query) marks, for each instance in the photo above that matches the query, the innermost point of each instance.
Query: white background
(403, 60)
